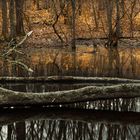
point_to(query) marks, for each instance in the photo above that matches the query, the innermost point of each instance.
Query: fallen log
(89, 93)
(68, 79)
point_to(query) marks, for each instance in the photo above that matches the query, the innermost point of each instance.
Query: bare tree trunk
(4, 18)
(19, 17)
(118, 26)
(113, 38)
(109, 8)
(123, 6)
(94, 14)
(12, 19)
(133, 4)
(73, 3)
(80, 7)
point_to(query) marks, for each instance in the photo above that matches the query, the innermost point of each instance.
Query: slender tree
(109, 8)
(12, 19)
(4, 18)
(19, 17)
(73, 3)
(118, 26)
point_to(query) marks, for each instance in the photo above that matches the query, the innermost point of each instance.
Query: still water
(117, 119)
(85, 61)
(67, 124)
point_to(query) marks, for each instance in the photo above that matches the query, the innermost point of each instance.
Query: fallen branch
(68, 79)
(89, 93)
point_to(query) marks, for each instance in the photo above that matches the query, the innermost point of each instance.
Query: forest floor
(41, 21)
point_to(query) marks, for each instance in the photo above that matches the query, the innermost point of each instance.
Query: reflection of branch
(22, 65)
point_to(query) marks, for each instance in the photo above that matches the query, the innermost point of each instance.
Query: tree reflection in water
(72, 125)
(83, 62)
(66, 130)
(68, 124)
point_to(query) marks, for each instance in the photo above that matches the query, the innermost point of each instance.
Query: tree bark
(89, 93)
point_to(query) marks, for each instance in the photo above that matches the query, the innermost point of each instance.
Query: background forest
(57, 20)
(111, 28)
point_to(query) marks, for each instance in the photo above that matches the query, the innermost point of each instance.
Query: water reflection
(82, 124)
(79, 121)
(64, 124)
(84, 62)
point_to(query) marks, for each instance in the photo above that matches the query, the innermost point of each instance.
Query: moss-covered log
(68, 79)
(89, 93)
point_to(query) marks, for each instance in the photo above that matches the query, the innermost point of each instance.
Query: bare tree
(4, 18)
(12, 19)
(19, 17)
